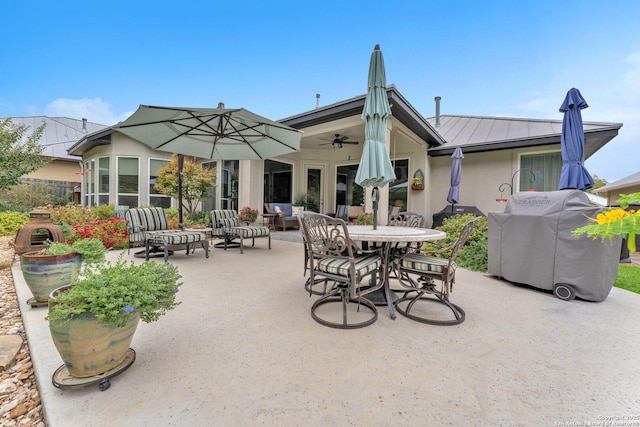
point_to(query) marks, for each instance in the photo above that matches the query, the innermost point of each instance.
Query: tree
(598, 182)
(18, 155)
(196, 183)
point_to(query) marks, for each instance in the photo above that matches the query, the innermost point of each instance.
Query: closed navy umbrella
(573, 174)
(456, 172)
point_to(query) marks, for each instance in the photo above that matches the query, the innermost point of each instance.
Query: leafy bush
(33, 194)
(105, 211)
(10, 222)
(474, 254)
(12, 207)
(72, 215)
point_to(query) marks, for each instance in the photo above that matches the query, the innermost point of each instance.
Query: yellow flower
(611, 215)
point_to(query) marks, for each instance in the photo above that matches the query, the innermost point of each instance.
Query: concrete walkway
(242, 349)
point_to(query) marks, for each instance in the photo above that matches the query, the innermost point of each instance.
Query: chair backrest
(354, 211)
(224, 218)
(145, 219)
(407, 219)
(462, 239)
(326, 236)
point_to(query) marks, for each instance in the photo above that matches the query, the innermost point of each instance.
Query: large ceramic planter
(86, 347)
(44, 273)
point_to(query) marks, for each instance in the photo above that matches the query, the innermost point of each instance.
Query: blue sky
(100, 60)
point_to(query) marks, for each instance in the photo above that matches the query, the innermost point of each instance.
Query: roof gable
(59, 134)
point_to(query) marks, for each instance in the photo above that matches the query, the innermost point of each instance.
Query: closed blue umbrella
(375, 169)
(573, 173)
(456, 172)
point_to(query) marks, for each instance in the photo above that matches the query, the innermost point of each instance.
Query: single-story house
(496, 150)
(626, 185)
(63, 172)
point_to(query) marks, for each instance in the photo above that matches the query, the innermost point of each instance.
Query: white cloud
(95, 110)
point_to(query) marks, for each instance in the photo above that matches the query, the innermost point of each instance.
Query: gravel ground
(20, 403)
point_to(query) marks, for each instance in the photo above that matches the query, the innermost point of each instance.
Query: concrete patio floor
(242, 349)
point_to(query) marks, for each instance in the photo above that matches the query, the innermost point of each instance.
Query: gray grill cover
(531, 243)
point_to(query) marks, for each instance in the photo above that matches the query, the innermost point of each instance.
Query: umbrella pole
(374, 198)
(180, 164)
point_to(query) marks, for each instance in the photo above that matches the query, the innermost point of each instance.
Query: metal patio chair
(417, 274)
(332, 257)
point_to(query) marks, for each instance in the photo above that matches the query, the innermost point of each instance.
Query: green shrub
(10, 222)
(473, 254)
(72, 215)
(30, 195)
(6, 206)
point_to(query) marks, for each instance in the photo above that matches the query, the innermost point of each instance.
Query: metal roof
(478, 133)
(628, 181)
(59, 134)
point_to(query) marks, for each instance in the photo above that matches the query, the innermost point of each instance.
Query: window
(128, 175)
(278, 182)
(103, 180)
(211, 203)
(541, 168)
(89, 184)
(157, 199)
(398, 188)
(347, 191)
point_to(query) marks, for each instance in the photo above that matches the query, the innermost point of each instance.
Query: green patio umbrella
(375, 168)
(209, 133)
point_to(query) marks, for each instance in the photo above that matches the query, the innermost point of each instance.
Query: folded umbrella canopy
(210, 133)
(573, 174)
(456, 172)
(375, 168)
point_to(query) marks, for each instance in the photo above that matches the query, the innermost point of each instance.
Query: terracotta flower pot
(86, 347)
(44, 273)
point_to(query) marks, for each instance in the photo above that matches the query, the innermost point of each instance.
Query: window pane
(540, 171)
(129, 201)
(398, 188)
(347, 191)
(160, 202)
(127, 175)
(103, 175)
(154, 168)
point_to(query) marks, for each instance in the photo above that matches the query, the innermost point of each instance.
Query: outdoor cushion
(428, 264)
(364, 265)
(250, 231)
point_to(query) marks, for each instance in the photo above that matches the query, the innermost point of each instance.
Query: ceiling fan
(339, 140)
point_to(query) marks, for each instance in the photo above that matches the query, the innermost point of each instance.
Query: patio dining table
(389, 235)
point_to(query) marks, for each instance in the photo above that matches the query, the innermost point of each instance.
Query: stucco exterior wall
(57, 170)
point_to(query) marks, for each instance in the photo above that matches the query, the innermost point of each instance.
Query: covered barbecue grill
(532, 243)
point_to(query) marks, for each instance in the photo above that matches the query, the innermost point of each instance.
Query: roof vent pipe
(220, 104)
(84, 125)
(317, 100)
(437, 99)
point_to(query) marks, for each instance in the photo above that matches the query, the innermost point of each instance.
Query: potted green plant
(57, 265)
(93, 320)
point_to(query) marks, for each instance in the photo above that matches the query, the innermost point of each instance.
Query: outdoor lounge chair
(226, 225)
(332, 257)
(149, 227)
(417, 274)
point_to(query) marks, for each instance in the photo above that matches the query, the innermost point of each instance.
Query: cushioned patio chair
(333, 258)
(417, 274)
(149, 227)
(226, 225)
